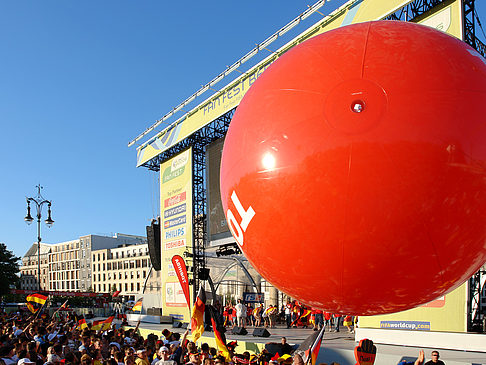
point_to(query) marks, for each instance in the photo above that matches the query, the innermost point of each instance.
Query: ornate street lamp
(39, 201)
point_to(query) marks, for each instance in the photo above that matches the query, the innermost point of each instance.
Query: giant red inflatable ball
(353, 172)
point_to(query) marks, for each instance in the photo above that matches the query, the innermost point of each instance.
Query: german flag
(137, 307)
(37, 298)
(311, 347)
(97, 325)
(107, 323)
(197, 315)
(82, 324)
(219, 334)
(31, 307)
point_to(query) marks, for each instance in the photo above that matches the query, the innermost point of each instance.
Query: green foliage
(9, 268)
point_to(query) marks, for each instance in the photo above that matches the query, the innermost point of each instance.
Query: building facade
(29, 268)
(66, 266)
(126, 269)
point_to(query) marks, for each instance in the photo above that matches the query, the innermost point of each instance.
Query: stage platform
(336, 346)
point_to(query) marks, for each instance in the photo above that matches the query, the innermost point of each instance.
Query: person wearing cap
(164, 357)
(25, 361)
(142, 358)
(297, 360)
(194, 359)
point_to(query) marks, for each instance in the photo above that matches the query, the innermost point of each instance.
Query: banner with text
(447, 313)
(176, 229)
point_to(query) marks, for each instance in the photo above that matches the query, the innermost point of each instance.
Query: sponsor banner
(181, 271)
(174, 299)
(174, 211)
(448, 19)
(406, 325)
(175, 244)
(175, 221)
(176, 230)
(447, 314)
(253, 297)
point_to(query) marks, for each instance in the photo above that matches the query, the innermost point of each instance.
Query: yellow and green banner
(176, 229)
(445, 314)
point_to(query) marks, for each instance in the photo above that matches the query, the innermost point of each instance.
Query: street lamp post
(39, 201)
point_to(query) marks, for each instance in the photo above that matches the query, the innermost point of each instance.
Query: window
(138, 287)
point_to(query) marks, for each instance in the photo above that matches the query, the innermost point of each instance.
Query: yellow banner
(446, 17)
(446, 314)
(176, 229)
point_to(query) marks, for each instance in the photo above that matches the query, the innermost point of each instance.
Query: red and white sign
(181, 271)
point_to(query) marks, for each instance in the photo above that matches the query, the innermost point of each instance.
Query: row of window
(64, 265)
(119, 255)
(64, 285)
(120, 275)
(104, 288)
(121, 265)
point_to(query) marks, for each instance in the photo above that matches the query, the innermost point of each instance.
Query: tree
(9, 268)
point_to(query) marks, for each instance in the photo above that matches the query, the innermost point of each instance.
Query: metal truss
(469, 27)
(198, 141)
(414, 9)
(475, 303)
(417, 8)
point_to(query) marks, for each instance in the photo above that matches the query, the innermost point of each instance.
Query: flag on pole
(316, 346)
(31, 307)
(107, 323)
(37, 298)
(82, 324)
(197, 315)
(137, 307)
(97, 325)
(309, 349)
(219, 336)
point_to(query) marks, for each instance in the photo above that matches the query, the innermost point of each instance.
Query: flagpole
(318, 340)
(58, 309)
(40, 309)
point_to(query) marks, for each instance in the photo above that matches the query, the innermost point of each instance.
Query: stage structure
(209, 120)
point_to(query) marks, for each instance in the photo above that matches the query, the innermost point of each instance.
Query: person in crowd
(337, 320)
(348, 322)
(240, 309)
(257, 313)
(435, 359)
(288, 313)
(318, 319)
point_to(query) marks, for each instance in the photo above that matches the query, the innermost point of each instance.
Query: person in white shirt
(240, 313)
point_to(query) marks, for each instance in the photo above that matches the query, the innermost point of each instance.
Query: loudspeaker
(261, 332)
(239, 331)
(204, 274)
(153, 239)
(273, 347)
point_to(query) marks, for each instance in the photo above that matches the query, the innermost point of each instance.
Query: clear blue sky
(80, 79)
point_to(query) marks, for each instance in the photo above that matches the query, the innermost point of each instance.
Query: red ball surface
(353, 172)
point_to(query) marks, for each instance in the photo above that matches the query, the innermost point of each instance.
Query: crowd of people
(60, 340)
(293, 314)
